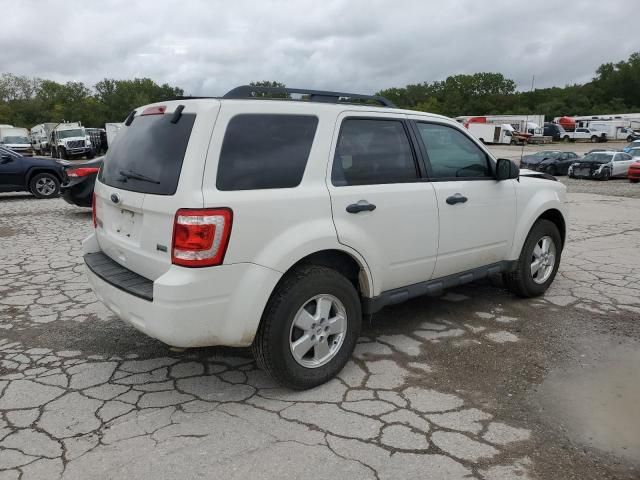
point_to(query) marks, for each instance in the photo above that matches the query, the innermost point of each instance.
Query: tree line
(615, 88)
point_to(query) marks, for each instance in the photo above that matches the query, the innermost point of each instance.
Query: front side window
(261, 151)
(371, 152)
(452, 154)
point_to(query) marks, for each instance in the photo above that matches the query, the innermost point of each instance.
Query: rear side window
(148, 154)
(265, 151)
(373, 152)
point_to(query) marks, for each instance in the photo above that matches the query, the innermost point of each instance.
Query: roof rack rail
(322, 96)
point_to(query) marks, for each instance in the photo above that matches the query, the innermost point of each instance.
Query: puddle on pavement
(598, 403)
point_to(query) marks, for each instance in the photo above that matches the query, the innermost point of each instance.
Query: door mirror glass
(506, 169)
(5, 158)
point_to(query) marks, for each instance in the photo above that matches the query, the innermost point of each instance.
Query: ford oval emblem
(115, 198)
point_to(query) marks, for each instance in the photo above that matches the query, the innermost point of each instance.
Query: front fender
(533, 206)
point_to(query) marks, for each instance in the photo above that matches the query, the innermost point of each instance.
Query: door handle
(361, 206)
(457, 198)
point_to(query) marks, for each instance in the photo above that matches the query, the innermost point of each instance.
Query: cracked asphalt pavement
(475, 384)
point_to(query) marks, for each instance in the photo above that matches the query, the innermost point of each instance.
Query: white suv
(277, 223)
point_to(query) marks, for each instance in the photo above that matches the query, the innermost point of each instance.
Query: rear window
(147, 156)
(265, 151)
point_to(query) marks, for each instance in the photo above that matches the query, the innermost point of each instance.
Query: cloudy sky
(207, 47)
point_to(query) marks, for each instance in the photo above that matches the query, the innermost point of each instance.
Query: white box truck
(40, 135)
(490, 133)
(17, 139)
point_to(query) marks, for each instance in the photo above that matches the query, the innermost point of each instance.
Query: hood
(524, 172)
(533, 160)
(73, 139)
(13, 146)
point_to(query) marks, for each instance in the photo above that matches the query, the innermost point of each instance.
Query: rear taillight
(93, 211)
(200, 236)
(82, 171)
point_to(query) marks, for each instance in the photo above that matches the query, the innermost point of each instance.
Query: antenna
(526, 121)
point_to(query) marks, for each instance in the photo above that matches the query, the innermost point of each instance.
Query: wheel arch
(555, 216)
(348, 263)
(551, 210)
(36, 170)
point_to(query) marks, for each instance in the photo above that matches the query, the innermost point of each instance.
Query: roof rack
(322, 96)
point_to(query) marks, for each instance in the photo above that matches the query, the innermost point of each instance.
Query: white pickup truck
(585, 135)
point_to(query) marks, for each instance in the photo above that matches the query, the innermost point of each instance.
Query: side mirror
(506, 169)
(5, 159)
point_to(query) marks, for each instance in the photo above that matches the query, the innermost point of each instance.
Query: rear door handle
(457, 198)
(361, 206)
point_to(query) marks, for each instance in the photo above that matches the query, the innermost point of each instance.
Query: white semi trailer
(489, 133)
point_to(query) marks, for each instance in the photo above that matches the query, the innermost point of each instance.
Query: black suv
(38, 175)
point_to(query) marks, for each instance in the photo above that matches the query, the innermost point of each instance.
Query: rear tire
(44, 185)
(594, 139)
(522, 281)
(567, 139)
(633, 180)
(279, 329)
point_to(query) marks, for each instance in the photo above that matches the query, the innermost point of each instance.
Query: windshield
(71, 133)
(598, 157)
(148, 155)
(16, 140)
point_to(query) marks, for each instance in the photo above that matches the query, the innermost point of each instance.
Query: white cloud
(207, 47)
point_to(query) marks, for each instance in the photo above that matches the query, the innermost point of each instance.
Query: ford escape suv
(279, 223)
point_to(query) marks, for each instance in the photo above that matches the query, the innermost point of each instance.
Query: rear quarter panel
(275, 228)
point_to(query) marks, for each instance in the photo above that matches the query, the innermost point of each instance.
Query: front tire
(594, 139)
(44, 185)
(309, 327)
(552, 170)
(538, 263)
(62, 154)
(606, 175)
(567, 139)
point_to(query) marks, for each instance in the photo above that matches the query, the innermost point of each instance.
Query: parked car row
(598, 163)
(47, 178)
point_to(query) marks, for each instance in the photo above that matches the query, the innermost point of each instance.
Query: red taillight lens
(159, 110)
(93, 211)
(200, 236)
(82, 171)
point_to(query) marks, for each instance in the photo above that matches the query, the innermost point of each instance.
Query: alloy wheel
(543, 259)
(318, 331)
(45, 186)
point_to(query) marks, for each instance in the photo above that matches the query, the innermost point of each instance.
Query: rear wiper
(137, 176)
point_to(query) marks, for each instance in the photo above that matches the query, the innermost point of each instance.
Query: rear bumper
(193, 307)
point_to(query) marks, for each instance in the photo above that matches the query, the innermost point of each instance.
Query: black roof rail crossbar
(247, 91)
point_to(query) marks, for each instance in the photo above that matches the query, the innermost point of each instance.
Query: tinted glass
(451, 153)
(152, 149)
(373, 152)
(265, 151)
